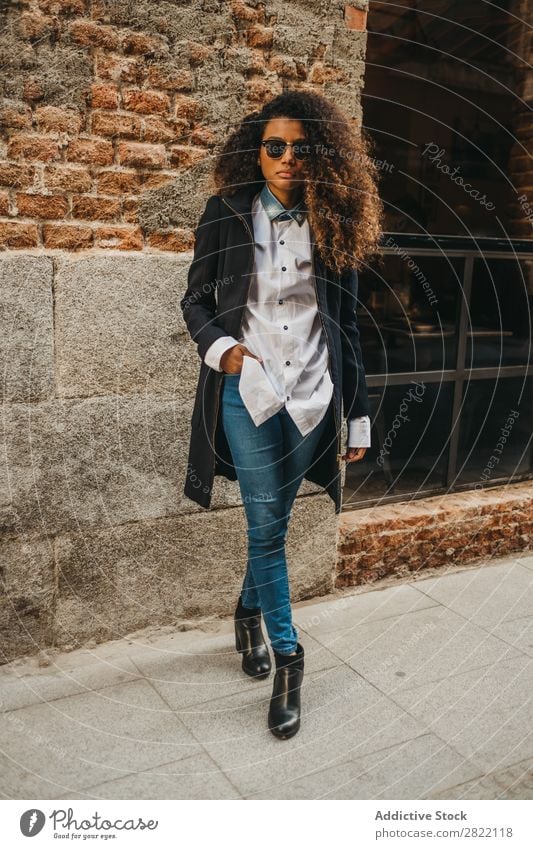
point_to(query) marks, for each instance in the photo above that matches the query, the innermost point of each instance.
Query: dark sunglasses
(276, 148)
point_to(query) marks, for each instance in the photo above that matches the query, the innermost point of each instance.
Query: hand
(354, 454)
(231, 360)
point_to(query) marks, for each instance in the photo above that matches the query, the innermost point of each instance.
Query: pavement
(412, 690)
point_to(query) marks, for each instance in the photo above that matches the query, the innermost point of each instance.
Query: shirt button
(288, 397)
(285, 327)
(282, 241)
(287, 362)
(283, 268)
(280, 301)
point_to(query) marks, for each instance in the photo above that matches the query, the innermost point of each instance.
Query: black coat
(213, 305)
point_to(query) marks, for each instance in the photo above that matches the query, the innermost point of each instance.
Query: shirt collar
(275, 209)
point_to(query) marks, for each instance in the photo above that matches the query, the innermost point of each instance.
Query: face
(284, 175)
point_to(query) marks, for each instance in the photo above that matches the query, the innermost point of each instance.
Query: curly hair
(340, 177)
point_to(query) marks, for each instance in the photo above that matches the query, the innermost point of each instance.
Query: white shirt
(281, 324)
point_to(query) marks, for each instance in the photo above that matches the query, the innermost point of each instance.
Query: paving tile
(415, 648)
(28, 685)
(514, 782)
(414, 769)
(516, 632)
(191, 672)
(485, 596)
(347, 611)
(521, 558)
(195, 777)
(485, 714)
(86, 739)
(342, 715)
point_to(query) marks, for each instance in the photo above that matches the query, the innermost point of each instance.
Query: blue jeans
(270, 461)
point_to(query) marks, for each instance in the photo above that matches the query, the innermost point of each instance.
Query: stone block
(119, 326)
(117, 580)
(26, 328)
(100, 461)
(27, 596)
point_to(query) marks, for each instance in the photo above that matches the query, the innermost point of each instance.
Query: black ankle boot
(284, 712)
(249, 641)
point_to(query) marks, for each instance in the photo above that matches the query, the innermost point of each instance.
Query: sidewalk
(419, 690)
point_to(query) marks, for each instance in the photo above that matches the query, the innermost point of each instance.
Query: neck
(287, 197)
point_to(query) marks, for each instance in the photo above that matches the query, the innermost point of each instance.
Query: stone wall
(109, 115)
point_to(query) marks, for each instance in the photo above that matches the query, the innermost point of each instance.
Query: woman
(271, 303)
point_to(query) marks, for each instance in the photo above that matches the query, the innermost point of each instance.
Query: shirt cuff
(359, 432)
(214, 353)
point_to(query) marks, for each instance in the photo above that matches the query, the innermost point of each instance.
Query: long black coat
(217, 291)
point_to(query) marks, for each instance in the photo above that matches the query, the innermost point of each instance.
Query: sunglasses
(275, 148)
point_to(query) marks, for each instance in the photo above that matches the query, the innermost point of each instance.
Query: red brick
(130, 210)
(67, 236)
(4, 203)
(90, 151)
(203, 136)
(172, 240)
(120, 69)
(242, 12)
(32, 89)
(321, 74)
(94, 208)
(53, 119)
(118, 182)
(284, 66)
(140, 44)
(262, 90)
(355, 18)
(63, 7)
(119, 238)
(161, 130)
(68, 179)
(103, 96)
(33, 147)
(259, 36)
(17, 176)
(156, 179)
(15, 234)
(42, 206)
(114, 124)
(99, 10)
(256, 62)
(145, 101)
(15, 115)
(142, 155)
(93, 35)
(187, 107)
(33, 26)
(177, 80)
(184, 156)
(198, 53)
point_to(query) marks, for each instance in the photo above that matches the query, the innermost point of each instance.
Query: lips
(286, 173)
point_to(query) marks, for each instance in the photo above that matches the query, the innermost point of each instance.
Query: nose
(288, 155)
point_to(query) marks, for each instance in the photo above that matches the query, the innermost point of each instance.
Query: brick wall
(397, 541)
(104, 103)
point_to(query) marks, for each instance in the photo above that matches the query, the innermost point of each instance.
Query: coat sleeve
(354, 388)
(198, 305)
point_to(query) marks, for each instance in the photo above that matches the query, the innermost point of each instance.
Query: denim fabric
(270, 460)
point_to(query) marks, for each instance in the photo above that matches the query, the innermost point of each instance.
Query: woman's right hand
(231, 360)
